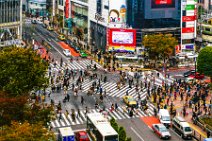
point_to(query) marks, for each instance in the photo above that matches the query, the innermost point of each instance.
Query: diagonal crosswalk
(119, 114)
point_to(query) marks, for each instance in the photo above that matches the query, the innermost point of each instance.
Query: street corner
(150, 120)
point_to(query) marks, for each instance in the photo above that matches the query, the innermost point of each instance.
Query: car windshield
(130, 99)
(67, 51)
(187, 129)
(163, 129)
(166, 118)
(84, 137)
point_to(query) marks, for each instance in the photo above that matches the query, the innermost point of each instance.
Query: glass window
(187, 129)
(99, 7)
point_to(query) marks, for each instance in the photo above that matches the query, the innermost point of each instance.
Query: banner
(188, 30)
(67, 9)
(190, 7)
(188, 18)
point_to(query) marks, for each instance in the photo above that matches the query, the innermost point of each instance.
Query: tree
(21, 70)
(160, 46)
(204, 62)
(114, 124)
(25, 131)
(122, 134)
(12, 108)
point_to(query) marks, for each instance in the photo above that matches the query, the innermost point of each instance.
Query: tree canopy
(204, 61)
(160, 45)
(21, 70)
(25, 131)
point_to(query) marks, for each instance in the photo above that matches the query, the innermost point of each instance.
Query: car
(50, 28)
(61, 37)
(197, 76)
(161, 131)
(130, 101)
(81, 136)
(83, 54)
(67, 52)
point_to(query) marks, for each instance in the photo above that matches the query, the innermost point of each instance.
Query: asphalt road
(139, 131)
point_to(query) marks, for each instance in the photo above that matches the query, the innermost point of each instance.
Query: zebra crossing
(119, 114)
(113, 91)
(75, 65)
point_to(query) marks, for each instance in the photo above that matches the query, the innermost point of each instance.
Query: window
(106, 7)
(99, 7)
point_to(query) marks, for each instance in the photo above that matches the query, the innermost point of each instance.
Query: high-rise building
(10, 21)
(37, 7)
(154, 16)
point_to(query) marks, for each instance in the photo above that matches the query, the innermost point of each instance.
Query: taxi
(61, 37)
(130, 101)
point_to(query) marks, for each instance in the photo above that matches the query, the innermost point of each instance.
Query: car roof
(82, 133)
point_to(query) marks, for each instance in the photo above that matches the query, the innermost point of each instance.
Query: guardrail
(197, 136)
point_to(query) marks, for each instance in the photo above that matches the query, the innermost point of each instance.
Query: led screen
(121, 39)
(163, 3)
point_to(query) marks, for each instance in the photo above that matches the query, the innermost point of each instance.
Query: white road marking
(137, 134)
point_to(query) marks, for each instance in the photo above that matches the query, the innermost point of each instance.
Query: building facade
(10, 22)
(36, 7)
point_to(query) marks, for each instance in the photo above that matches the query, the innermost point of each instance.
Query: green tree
(26, 132)
(204, 62)
(21, 70)
(122, 134)
(114, 124)
(128, 139)
(160, 46)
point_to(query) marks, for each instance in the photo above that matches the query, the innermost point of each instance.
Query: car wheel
(160, 137)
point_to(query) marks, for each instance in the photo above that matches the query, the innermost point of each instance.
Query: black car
(187, 73)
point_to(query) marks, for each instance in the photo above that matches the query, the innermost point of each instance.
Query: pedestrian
(60, 115)
(68, 97)
(78, 113)
(82, 100)
(131, 113)
(116, 106)
(86, 110)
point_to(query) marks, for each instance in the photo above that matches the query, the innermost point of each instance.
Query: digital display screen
(122, 37)
(163, 3)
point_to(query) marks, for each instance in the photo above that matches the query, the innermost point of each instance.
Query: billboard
(117, 11)
(163, 3)
(121, 40)
(188, 18)
(67, 9)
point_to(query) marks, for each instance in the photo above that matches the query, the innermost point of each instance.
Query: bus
(99, 128)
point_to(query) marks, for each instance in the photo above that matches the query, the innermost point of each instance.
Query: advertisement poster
(121, 40)
(117, 11)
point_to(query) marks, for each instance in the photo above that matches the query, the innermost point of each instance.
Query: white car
(161, 131)
(67, 52)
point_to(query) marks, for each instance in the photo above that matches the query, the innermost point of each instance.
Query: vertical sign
(67, 9)
(188, 24)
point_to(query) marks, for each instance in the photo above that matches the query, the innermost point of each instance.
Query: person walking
(82, 100)
(116, 106)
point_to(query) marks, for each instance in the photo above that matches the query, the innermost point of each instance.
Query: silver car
(161, 131)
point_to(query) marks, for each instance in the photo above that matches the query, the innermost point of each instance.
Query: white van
(164, 117)
(182, 127)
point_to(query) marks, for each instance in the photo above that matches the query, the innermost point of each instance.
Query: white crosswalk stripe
(119, 114)
(75, 65)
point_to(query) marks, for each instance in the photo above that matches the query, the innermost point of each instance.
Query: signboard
(163, 3)
(121, 40)
(187, 36)
(188, 30)
(67, 9)
(188, 18)
(117, 11)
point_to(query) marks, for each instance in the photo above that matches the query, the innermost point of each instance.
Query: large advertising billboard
(163, 3)
(117, 12)
(121, 40)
